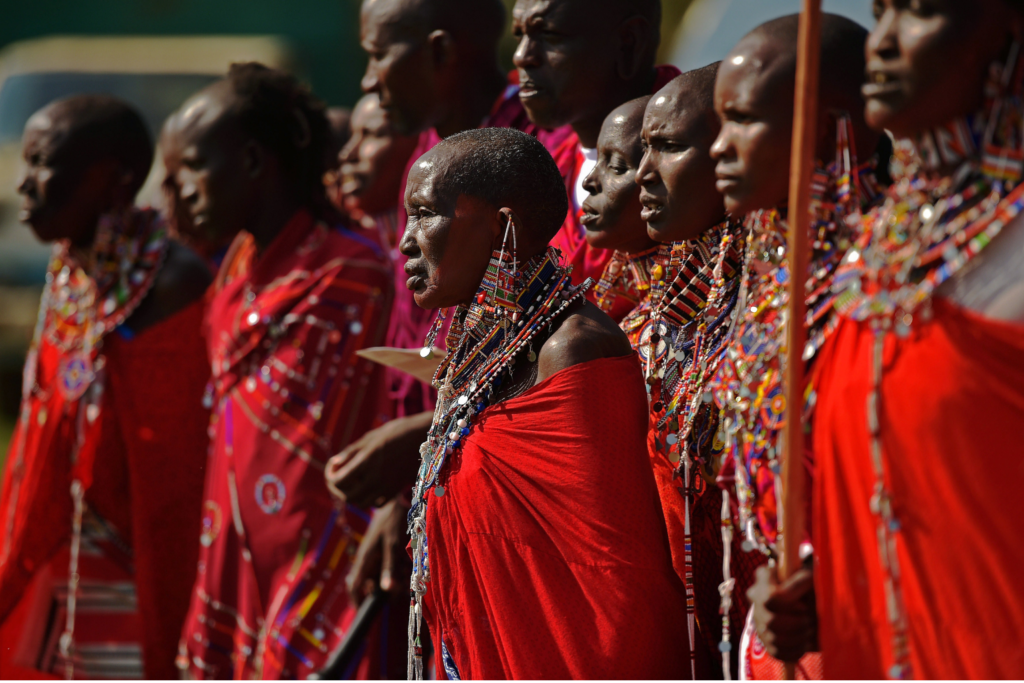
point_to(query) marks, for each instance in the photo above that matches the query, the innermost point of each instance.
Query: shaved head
(677, 175)
(754, 99)
(475, 23)
(92, 128)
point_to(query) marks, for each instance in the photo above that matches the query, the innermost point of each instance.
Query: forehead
(389, 21)
(420, 184)
(202, 114)
(753, 71)
(622, 125)
(671, 113)
(368, 114)
(556, 11)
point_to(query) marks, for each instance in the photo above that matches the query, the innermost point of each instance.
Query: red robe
(571, 238)
(142, 466)
(409, 323)
(288, 393)
(548, 553)
(950, 411)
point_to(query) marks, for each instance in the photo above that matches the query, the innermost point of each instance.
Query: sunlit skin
(578, 60)
(927, 61)
(676, 174)
(62, 197)
(374, 160)
(611, 214)
(423, 78)
(754, 101)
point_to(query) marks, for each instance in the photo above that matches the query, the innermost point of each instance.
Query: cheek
(623, 193)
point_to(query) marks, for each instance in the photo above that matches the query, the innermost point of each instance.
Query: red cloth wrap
(142, 464)
(270, 598)
(950, 410)
(548, 554)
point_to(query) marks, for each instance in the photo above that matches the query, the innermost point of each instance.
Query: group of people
(208, 480)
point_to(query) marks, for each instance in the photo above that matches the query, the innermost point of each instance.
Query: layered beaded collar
(482, 347)
(83, 303)
(631, 277)
(931, 226)
(748, 384)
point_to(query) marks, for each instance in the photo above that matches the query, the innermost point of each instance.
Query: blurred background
(155, 53)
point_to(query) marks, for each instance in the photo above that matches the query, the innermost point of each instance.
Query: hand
(380, 464)
(785, 615)
(381, 558)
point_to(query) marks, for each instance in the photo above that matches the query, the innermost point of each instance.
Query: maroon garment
(548, 551)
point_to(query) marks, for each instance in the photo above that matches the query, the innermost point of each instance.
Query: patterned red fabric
(571, 239)
(147, 452)
(951, 406)
(409, 323)
(288, 392)
(548, 554)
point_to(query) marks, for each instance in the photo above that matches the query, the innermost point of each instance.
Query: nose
(883, 41)
(591, 184)
(721, 145)
(647, 171)
(348, 154)
(371, 81)
(408, 246)
(526, 55)
(26, 182)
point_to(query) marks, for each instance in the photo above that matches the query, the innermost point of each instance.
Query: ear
(124, 187)
(254, 158)
(633, 46)
(501, 224)
(442, 48)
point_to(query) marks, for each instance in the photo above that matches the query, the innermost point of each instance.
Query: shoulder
(992, 284)
(586, 334)
(182, 280)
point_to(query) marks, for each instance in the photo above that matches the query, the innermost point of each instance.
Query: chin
(542, 113)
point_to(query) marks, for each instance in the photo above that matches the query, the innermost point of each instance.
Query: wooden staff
(805, 112)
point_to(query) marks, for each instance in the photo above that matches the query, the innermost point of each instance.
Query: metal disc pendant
(438, 490)
(75, 374)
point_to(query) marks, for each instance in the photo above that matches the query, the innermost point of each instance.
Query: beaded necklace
(631, 276)
(483, 346)
(748, 386)
(926, 231)
(77, 310)
(680, 321)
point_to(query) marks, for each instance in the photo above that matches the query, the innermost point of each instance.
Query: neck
(589, 128)
(472, 101)
(270, 220)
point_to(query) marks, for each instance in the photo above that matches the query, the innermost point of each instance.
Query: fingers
(793, 595)
(387, 565)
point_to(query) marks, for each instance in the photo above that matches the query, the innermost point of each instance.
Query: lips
(529, 89)
(881, 83)
(652, 206)
(417, 277)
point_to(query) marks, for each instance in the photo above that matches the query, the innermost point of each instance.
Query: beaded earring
(497, 293)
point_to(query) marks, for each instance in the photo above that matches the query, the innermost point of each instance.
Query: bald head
(754, 99)
(93, 128)
(474, 24)
(677, 175)
(768, 53)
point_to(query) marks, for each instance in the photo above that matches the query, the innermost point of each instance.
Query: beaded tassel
(726, 587)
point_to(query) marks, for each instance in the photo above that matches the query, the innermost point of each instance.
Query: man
(102, 487)
(372, 165)
(578, 60)
(540, 408)
(340, 119)
(919, 389)
(294, 299)
(754, 100)
(678, 335)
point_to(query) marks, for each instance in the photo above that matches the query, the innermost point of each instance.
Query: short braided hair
(507, 168)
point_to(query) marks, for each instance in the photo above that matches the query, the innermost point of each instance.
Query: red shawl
(409, 323)
(951, 411)
(147, 449)
(571, 238)
(288, 392)
(548, 553)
